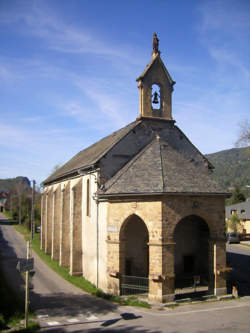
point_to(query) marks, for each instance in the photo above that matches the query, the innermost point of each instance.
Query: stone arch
(134, 252)
(191, 237)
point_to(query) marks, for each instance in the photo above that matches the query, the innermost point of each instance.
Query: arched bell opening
(191, 236)
(156, 97)
(134, 253)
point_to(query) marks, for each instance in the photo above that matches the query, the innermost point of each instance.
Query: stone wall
(161, 215)
(67, 231)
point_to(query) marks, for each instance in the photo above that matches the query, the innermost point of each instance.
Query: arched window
(156, 97)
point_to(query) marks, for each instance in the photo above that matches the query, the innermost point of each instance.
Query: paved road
(238, 257)
(62, 307)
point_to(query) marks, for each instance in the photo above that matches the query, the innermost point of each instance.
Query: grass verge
(78, 281)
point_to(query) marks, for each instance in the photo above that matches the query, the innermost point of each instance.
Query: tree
(237, 196)
(234, 223)
(244, 134)
(55, 168)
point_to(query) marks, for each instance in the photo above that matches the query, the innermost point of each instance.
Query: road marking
(73, 320)
(42, 316)
(92, 317)
(53, 323)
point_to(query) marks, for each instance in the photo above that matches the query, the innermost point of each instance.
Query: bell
(155, 100)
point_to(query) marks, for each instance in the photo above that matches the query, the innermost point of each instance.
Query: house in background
(139, 203)
(242, 209)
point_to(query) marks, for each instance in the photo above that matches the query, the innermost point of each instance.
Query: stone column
(65, 239)
(217, 251)
(76, 234)
(48, 235)
(113, 269)
(161, 272)
(56, 224)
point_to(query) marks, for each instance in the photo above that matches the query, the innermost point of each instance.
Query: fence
(133, 285)
(190, 285)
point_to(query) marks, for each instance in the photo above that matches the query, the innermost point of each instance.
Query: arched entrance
(134, 256)
(191, 236)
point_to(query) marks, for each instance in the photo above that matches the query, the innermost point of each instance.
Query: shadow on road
(240, 274)
(8, 261)
(61, 305)
(118, 329)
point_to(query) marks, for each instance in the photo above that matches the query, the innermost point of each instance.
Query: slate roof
(160, 168)
(89, 156)
(163, 161)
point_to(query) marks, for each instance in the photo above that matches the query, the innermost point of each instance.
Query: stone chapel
(139, 203)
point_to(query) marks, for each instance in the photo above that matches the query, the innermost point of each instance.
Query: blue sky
(68, 70)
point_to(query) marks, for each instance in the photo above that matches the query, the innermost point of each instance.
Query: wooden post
(27, 288)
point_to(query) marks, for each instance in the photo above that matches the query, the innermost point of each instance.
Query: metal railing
(191, 284)
(133, 285)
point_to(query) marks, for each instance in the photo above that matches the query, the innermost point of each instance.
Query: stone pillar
(48, 232)
(113, 269)
(43, 220)
(56, 224)
(161, 272)
(65, 236)
(217, 251)
(76, 232)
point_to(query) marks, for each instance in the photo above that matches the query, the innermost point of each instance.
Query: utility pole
(27, 288)
(32, 209)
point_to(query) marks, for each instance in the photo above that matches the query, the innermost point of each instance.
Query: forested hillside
(232, 168)
(6, 185)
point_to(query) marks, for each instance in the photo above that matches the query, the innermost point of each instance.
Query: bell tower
(155, 87)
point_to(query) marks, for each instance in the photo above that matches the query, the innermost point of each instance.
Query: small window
(243, 211)
(88, 198)
(233, 211)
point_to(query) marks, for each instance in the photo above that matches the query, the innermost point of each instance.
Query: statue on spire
(155, 43)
